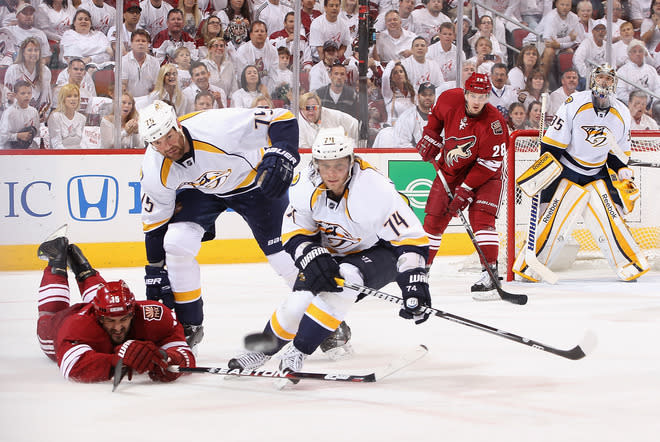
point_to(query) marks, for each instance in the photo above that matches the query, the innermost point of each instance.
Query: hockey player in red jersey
(469, 156)
(88, 339)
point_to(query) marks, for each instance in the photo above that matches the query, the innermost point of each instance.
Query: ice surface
(471, 386)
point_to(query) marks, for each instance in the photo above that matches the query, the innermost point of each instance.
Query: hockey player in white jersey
(345, 220)
(198, 167)
(590, 134)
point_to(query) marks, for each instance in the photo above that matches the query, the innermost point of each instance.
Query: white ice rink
(472, 386)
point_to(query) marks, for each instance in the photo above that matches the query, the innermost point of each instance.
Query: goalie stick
(504, 295)
(639, 163)
(531, 259)
(616, 150)
(401, 362)
(585, 347)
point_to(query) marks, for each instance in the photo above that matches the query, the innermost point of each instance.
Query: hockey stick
(531, 259)
(578, 352)
(639, 163)
(120, 372)
(403, 361)
(504, 295)
(616, 150)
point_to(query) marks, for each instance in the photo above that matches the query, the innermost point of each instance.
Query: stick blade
(545, 273)
(402, 362)
(261, 342)
(119, 368)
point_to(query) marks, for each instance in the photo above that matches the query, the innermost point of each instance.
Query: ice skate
(248, 361)
(194, 335)
(337, 345)
(485, 289)
(54, 250)
(291, 360)
(78, 263)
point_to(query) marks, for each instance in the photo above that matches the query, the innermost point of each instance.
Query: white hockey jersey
(582, 133)
(227, 146)
(370, 210)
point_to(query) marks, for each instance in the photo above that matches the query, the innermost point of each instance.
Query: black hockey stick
(578, 352)
(403, 361)
(639, 163)
(506, 296)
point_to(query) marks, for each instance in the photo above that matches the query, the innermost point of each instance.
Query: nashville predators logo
(596, 135)
(460, 150)
(212, 179)
(336, 237)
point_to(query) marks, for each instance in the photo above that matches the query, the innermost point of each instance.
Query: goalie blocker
(601, 217)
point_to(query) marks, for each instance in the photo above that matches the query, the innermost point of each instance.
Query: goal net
(643, 221)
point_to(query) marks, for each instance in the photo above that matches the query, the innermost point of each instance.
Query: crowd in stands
(57, 62)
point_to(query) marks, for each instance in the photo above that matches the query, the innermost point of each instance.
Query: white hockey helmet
(332, 143)
(156, 120)
(600, 91)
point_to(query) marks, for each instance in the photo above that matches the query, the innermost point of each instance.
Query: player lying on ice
(87, 339)
(344, 220)
(469, 157)
(590, 137)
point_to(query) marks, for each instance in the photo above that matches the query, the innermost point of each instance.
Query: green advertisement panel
(413, 178)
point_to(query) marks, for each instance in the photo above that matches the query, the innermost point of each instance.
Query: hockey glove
(275, 172)
(462, 198)
(625, 173)
(158, 285)
(414, 285)
(180, 357)
(141, 356)
(430, 145)
(320, 269)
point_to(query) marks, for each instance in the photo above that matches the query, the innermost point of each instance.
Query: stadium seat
(304, 80)
(518, 36)
(565, 61)
(3, 70)
(104, 80)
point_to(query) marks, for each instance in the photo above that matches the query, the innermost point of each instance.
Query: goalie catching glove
(625, 186)
(275, 172)
(414, 286)
(430, 145)
(320, 269)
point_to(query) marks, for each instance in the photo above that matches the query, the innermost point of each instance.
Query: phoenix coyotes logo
(460, 150)
(596, 135)
(337, 237)
(152, 312)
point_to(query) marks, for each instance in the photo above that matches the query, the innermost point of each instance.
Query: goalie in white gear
(589, 134)
(345, 220)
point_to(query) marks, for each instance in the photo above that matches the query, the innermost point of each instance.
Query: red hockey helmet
(114, 299)
(478, 83)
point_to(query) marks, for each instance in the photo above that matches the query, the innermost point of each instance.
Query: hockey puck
(260, 342)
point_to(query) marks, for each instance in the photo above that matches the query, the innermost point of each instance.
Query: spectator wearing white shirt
(54, 17)
(405, 8)
(485, 29)
(329, 26)
(82, 41)
(257, 51)
(200, 83)
(220, 66)
(559, 33)
(285, 38)
(484, 59)
(29, 67)
(620, 48)
(280, 80)
(444, 52)
(591, 51)
(251, 88)
(502, 94)
(103, 15)
(66, 124)
(569, 83)
(167, 89)
(272, 13)
(650, 27)
(527, 60)
(132, 12)
(139, 69)
(394, 42)
(154, 16)
(24, 28)
(408, 128)
(637, 72)
(75, 73)
(130, 138)
(419, 68)
(640, 10)
(349, 13)
(182, 61)
(319, 75)
(637, 101)
(398, 91)
(315, 117)
(20, 122)
(427, 21)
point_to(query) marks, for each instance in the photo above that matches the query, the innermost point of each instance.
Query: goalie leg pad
(554, 226)
(540, 174)
(612, 234)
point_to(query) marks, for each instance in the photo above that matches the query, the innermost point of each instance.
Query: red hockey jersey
(473, 147)
(84, 350)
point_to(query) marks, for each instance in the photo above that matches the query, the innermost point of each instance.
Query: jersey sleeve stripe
(153, 226)
(71, 357)
(287, 236)
(421, 241)
(316, 195)
(190, 115)
(174, 344)
(165, 171)
(187, 297)
(546, 139)
(207, 147)
(284, 117)
(249, 179)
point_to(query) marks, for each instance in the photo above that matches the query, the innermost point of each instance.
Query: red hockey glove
(140, 355)
(180, 357)
(430, 145)
(462, 198)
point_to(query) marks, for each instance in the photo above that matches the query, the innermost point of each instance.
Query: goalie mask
(114, 299)
(156, 120)
(602, 87)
